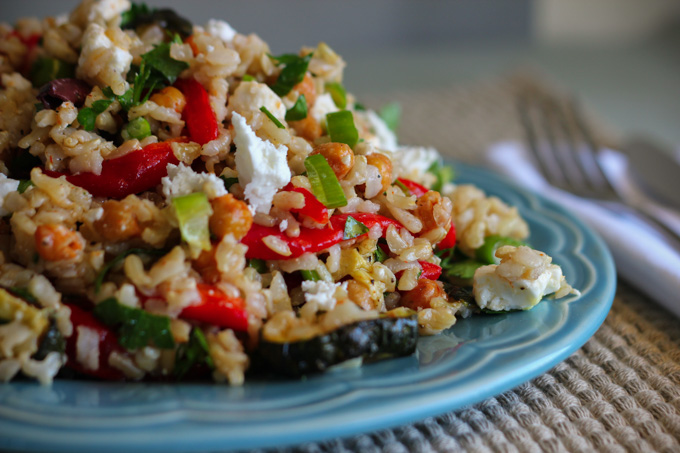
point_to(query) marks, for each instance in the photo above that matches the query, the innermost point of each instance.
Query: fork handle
(662, 221)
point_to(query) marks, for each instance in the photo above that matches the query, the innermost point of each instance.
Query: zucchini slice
(372, 339)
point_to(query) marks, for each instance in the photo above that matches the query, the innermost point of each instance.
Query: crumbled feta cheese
(514, 284)
(182, 180)
(383, 137)
(320, 294)
(103, 11)
(220, 29)
(112, 61)
(262, 166)
(413, 159)
(323, 105)
(250, 96)
(283, 225)
(87, 347)
(7, 186)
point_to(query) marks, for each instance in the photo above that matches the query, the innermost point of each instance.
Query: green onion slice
(403, 187)
(338, 93)
(353, 228)
(325, 185)
(380, 254)
(310, 275)
(24, 184)
(248, 78)
(341, 127)
(258, 264)
(391, 115)
(299, 110)
(487, 252)
(271, 116)
(193, 213)
(135, 326)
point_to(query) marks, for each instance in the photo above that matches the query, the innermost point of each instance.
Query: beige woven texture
(619, 393)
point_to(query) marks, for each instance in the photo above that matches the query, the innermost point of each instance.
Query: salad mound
(179, 203)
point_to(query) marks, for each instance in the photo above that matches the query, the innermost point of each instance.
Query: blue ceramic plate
(478, 358)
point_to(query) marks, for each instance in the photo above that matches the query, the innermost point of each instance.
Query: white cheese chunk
(323, 105)
(408, 160)
(102, 11)
(87, 347)
(113, 61)
(7, 186)
(320, 294)
(220, 29)
(383, 137)
(494, 292)
(249, 97)
(182, 180)
(262, 166)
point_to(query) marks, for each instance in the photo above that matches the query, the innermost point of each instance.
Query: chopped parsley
(135, 326)
(88, 115)
(194, 352)
(292, 73)
(299, 110)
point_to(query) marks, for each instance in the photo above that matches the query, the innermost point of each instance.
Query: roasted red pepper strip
(430, 271)
(313, 208)
(218, 309)
(132, 173)
(108, 343)
(450, 240)
(198, 113)
(413, 187)
(310, 239)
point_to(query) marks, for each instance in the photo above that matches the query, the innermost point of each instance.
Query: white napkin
(641, 254)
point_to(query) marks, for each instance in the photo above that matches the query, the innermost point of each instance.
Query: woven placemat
(619, 392)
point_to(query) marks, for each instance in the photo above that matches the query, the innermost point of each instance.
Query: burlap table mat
(620, 392)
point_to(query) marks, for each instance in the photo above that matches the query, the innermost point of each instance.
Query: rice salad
(179, 203)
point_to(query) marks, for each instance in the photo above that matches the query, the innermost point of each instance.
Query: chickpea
(359, 294)
(170, 97)
(307, 88)
(57, 243)
(430, 210)
(206, 265)
(384, 166)
(307, 128)
(118, 223)
(339, 156)
(230, 216)
(420, 296)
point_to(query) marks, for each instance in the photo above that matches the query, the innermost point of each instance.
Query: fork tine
(591, 166)
(546, 161)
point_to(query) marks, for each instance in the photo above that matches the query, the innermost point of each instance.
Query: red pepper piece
(198, 113)
(132, 173)
(413, 187)
(108, 343)
(449, 240)
(31, 43)
(430, 271)
(313, 208)
(310, 239)
(218, 309)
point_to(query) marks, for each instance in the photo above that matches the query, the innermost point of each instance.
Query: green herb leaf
(299, 110)
(24, 184)
(99, 280)
(193, 213)
(160, 60)
(248, 78)
(325, 185)
(391, 115)
(45, 69)
(403, 187)
(443, 173)
(353, 228)
(292, 73)
(464, 270)
(338, 93)
(228, 182)
(52, 341)
(24, 294)
(341, 127)
(487, 252)
(101, 105)
(380, 254)
(359, 107)
(310, 275)
(136, 327)
(259, 265)
(273, 119)
(87, 118)
(195, 352)
(129, 17)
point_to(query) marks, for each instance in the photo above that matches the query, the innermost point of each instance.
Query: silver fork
(566, 152)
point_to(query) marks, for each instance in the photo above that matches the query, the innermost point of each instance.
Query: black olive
(54, 92)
